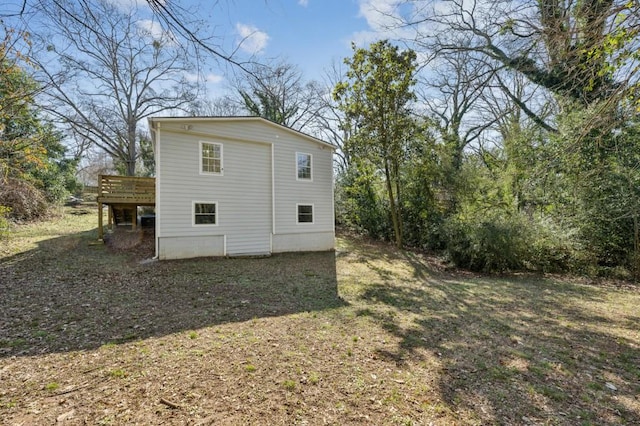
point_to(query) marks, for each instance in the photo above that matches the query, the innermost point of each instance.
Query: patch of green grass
(553, 393)
(314, 378)
(499, 373)
(393, 398)
(52, 386)
(585, 417)
(289, 385)
(15, 343)
(538, 371)
(106, 421)
(193, 335)
(630, 363)
(118, 373)
(596, 386)
(586, 398)
(250, 368)
(9, 404)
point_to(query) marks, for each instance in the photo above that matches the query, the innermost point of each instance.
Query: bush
(501, 242)
(489, 244)
(4, 220)
(360, 206)
(25, 201)
(553, 248)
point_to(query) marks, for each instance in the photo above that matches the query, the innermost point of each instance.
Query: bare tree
(450, 99)
(172, 16)
(223, 106)
(577, 50)
(279, 93)
(331, 123)
(105, 71)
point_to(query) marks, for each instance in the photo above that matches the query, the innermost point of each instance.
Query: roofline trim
(152, 120)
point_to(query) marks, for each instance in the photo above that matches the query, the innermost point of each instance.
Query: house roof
(214, 119)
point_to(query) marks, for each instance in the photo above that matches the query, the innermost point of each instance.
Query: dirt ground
(96, 334)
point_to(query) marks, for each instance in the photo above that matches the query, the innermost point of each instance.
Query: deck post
(100, 229)
(134, 218)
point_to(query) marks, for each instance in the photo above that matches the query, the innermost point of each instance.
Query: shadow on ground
(70, 293)
(514, 350)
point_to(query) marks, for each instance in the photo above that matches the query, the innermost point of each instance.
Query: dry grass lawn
(365, 335)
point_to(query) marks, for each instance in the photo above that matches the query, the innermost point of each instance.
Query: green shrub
(490, 244)
(499, 242)
(4, 220)
(360, 205)
(553, 248)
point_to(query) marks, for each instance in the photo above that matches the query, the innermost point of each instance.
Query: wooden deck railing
(124, 192)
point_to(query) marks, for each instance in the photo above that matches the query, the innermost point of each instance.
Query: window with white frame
(205, 213)
(305, 213)
(303, 161)
(210, 158)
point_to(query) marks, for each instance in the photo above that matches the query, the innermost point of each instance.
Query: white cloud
(252, 40)
(365, 38)
(208, 78)
(383, 18)
(381, 15)
(126, 5)
(213, 78)
(303, 3)
(152, 28)
(130, 5)
(387, 20)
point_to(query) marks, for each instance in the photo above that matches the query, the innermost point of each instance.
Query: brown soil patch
(138, 243)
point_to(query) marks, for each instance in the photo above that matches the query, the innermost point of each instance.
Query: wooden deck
(123, 193)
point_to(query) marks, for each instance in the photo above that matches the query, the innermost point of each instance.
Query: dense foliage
(564, 196)
(34, 172)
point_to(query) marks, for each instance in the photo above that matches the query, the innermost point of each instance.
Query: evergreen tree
(377, 97)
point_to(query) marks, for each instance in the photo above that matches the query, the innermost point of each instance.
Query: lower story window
(205, 213)
(305, 213)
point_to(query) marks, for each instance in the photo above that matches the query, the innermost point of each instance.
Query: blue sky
(311, 34)
(308, 33)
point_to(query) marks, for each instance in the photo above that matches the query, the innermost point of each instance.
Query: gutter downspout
(273, 198)
(156, 133)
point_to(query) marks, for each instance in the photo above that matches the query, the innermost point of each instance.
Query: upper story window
(211, 158)
(303, 166)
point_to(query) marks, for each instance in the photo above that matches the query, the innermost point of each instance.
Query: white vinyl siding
(291, 191)
(205, 213)
(242, 194)
(304, 166)
(304, 214)
(258, 191)
(210, 158)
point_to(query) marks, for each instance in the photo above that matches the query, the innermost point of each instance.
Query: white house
(238, 186)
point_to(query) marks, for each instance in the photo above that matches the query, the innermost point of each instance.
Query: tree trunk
(396, 177)
(392, 205)
(131, 148)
